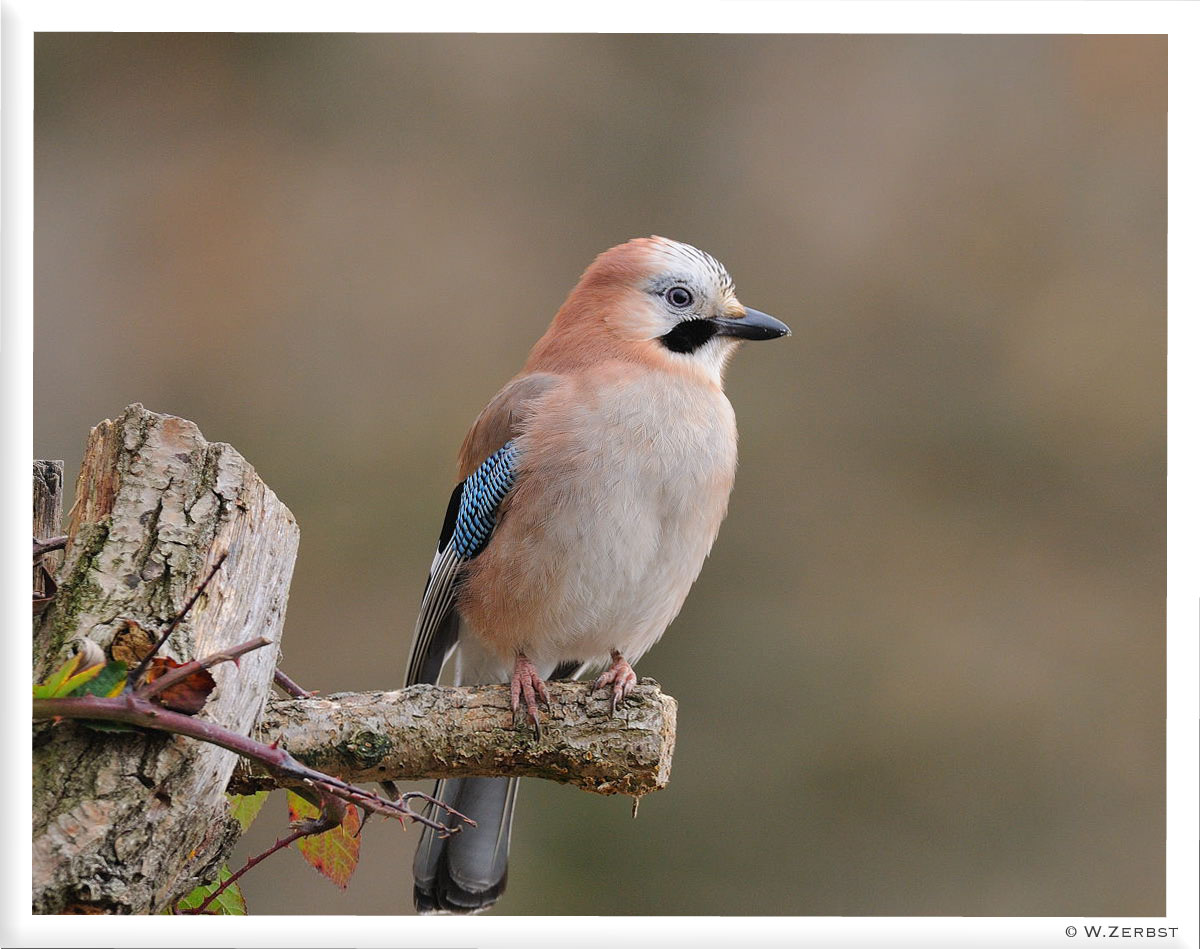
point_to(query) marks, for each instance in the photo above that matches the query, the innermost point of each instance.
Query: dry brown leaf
(188, 695)
(131, 644)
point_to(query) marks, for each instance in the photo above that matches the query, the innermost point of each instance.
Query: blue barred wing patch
(482, 494)
(470, 520)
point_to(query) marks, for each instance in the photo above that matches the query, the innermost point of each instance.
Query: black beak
(754, 325)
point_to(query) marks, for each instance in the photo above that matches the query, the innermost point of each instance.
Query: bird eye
(679, 297)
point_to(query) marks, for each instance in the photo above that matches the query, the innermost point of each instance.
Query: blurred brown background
(923, 672)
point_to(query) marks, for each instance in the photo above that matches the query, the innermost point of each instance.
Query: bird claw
(620, 676)
(527, 689)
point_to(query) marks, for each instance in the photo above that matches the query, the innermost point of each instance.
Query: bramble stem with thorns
(174, 624)
(306, 828)
(290, 686)
(178, 674)
(251, 863)
(136, 708)
(43, 547)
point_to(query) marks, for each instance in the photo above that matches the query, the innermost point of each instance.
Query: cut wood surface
(127, 822)
(435, 731)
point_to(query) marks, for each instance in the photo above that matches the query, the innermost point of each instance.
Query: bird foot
(527, 689)
(620, 676)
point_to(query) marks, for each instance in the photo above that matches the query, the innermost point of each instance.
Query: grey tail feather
(567, 670)
(467, 871)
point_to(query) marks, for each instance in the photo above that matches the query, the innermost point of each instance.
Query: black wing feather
(471, 518)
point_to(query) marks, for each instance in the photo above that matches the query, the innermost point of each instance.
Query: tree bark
(436, 732)
(47, 520)
(128, 822)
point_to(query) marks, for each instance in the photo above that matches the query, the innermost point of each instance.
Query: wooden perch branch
(434, 732)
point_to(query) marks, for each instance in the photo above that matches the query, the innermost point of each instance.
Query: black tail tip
(445, 896)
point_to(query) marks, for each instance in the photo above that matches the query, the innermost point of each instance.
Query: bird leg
(620, 676)
(527, 689)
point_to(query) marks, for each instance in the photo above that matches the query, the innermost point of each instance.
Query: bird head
(657, 301)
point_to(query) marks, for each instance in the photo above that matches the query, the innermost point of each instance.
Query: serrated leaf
(245, 807)
(52, 687)
(333, 854)
(230, 903)
(107, 681)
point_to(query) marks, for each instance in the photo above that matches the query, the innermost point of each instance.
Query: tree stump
(156, 507)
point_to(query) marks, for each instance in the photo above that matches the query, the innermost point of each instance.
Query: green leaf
(245, 807)
(52, 687)
(229, 903)
(333, 854)
(103, 680)
(80, 679)
(107, 681)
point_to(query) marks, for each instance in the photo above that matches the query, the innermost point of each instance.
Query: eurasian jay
(591, 489)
